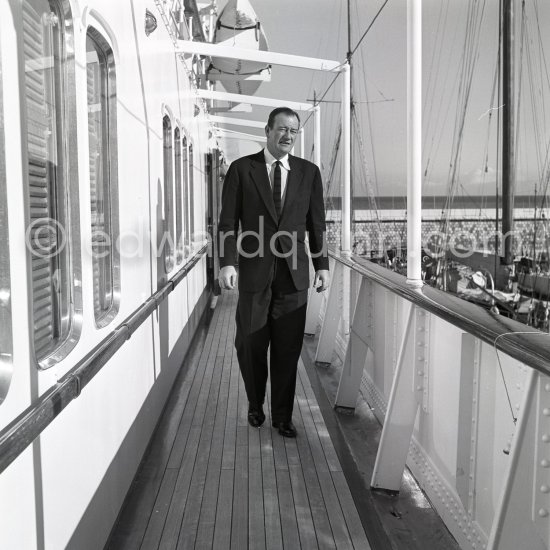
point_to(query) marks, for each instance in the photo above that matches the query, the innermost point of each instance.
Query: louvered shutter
(41, 140)
(100, 253)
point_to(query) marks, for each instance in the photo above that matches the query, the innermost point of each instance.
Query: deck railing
(463, 395)
(24, 429)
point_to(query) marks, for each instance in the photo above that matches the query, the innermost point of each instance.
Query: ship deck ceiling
(209, 480)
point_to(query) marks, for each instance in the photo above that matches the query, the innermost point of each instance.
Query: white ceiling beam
(267, 57)
(224, 134)
(264, 76)
(254, 100)
(237, 121)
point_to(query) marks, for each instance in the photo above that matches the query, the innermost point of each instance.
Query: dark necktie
(277, 188)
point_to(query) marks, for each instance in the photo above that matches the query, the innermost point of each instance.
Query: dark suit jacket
(247, 200)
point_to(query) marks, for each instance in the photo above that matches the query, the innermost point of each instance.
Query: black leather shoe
(286, 429)
(256, 416)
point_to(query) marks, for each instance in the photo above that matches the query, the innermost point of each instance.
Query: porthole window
(102, 140)
(179, 205)
(53, 232)
(6, 342)
(167, 239)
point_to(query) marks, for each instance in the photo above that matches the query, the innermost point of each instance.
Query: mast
(508, 150)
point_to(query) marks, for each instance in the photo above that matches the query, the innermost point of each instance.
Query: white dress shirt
(285, 169)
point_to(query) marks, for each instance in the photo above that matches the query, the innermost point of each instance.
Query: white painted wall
(65, 491)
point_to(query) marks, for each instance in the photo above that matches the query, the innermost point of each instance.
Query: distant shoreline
(438, 202)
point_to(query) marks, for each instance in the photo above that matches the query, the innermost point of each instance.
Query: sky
(318, 28)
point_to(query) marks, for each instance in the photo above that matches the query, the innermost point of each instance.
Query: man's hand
(322, 279)
(227, 277)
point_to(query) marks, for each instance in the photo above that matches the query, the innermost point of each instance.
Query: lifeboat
(238, 27)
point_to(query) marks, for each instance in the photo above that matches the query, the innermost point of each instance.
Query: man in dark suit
(274, 198)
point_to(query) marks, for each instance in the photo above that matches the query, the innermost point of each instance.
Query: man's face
(280, 138)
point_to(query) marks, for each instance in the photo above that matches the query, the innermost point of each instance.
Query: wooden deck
(209, 480)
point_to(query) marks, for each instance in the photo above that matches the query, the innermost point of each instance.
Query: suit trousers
(272, 319)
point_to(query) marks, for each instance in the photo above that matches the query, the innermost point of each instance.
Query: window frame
(65, 288)
(185, 197)
(167, 240)
(109, 146)
(6, 334)
(178, 192)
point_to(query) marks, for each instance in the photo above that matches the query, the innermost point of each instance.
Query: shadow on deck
(209, 480)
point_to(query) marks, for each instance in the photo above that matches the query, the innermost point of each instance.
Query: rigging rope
(370, 193)
(470, 57)
(368, 28)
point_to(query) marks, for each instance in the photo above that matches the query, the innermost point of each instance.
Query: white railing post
(333, 314)
(518, 514)
(314, 303)
(345, 244)
(357, 349)
(414, 142)
(406, 396)
(317, 136)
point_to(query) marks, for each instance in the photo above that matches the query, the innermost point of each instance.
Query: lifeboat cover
(237, 26)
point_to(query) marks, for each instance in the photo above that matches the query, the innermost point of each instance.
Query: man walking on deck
(274, 198)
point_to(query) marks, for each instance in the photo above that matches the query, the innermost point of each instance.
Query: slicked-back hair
(282, 110)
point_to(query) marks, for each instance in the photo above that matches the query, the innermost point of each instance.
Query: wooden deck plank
(353, 522)
(291, 449)
(181, 492)
(222, 484)
(279, 452)
(178, 448)
(289, 527)
(210, 497)
(242, 409)
(335, 515)
(132, 523)
(205, 408)
(323, 529)
(157, 520)
(256, 525)
(254, 445)
(134, 517)
(347, 505)
(239, 520)
(209, 504)
(230, 434)
(191, 516)
(201, 418)
(328, 448)
(306, 530)
(332, 504)
(272, 520)
(317, 417)
(224, 511)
